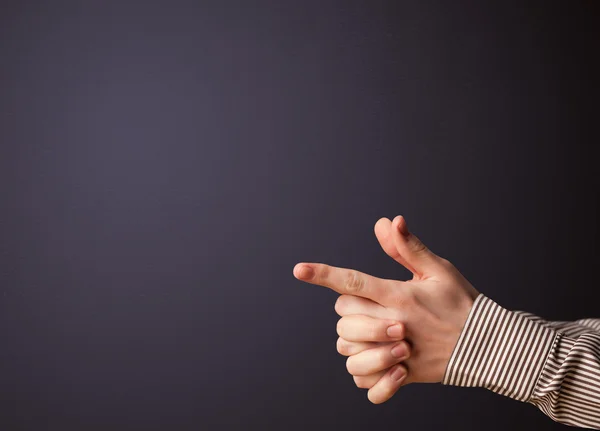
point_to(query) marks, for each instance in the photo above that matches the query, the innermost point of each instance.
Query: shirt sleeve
(552, 365)
(570, 328)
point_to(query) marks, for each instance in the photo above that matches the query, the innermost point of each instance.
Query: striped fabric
(552, 365)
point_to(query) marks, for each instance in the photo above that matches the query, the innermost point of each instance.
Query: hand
(432, 308)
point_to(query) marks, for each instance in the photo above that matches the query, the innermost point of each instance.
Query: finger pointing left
(344, 280)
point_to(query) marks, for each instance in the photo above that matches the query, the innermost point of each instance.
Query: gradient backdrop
(164, 165)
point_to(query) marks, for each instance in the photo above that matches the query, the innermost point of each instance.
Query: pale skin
(396, 332)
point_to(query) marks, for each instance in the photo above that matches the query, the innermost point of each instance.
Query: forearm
(514, 355)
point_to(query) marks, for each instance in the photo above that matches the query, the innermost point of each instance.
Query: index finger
(342, 280)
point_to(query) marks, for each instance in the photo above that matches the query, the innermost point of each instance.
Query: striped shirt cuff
(568, 389)
(499, 350)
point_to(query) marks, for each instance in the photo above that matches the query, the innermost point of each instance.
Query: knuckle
(339, 327)
(341, 304)
(350, 365)
(374, 397)
(418, 246)
(362, 382)
(338, 307)
(355, 282)
(322, 273)
(445, 263)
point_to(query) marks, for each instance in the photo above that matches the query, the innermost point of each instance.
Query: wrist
(454, 331)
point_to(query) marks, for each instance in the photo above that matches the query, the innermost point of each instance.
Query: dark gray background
(164, 165)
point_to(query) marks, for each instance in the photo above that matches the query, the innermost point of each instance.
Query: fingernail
(398, 374)
(395, 331)
(305, 272)
(399, 351)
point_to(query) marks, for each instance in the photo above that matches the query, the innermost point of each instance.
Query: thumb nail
(402, 227)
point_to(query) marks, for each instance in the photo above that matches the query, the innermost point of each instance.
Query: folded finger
(377, 359)
(350, 304)
(357, 327)
(349, 348)
(367, 382)
(388, 385)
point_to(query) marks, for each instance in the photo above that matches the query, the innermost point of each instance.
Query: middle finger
(350, 304)
(378, 358)
(358, 327)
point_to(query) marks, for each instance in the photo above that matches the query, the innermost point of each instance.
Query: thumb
(383, 232)
(421, 261)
